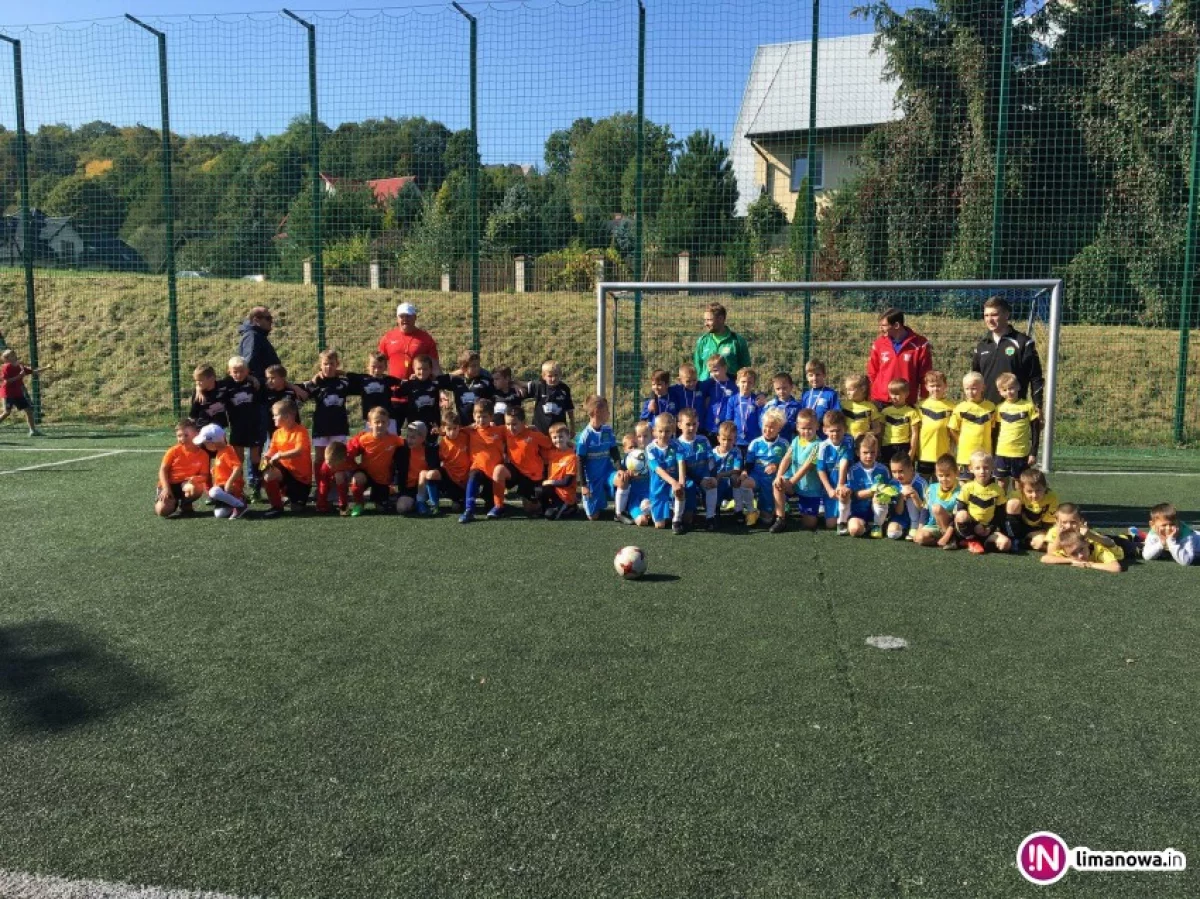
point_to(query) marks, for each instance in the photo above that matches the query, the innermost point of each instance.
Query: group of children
(939, 474)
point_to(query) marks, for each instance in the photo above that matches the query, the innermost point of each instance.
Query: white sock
(622, 499)
(914, 513)
(739, 499)
(843, 512)
(223, 496)
(747, 497)
(710, 502)
(680, 504)
(880, 512)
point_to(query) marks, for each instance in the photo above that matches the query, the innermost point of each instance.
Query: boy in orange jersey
(560, 488)
(333, 475)
(488, 443)
(183, 474)
(374, 452)
(527, 451)
(450, 477)
(411, 466)
(228, 483)
(288, 461)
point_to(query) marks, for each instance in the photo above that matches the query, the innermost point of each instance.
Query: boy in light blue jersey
(818, 397)
(745, 409)
(596, 446)
(729, 463)
(691, 393)
(722, 390)
(798, 476)
(762, 461)
(659, 400)
(907, 512)
(786, 403)
(696, 453)
(667, 476)
(834, 457)
(941, 502)
(870, 495)
(632, 482)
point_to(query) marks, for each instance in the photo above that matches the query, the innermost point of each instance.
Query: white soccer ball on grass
(630, 562)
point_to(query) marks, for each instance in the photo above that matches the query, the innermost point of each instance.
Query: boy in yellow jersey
(935, 425)
(901, 423)
(862, 416)
(941, 500)
(1031, 508)
(1076, 550)
(1069, 520)
(1019, 429)
(981, 508)
(971, 423)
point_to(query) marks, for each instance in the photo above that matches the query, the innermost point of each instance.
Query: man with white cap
(405, 342)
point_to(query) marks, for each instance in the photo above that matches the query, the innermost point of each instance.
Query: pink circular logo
(1042, 858)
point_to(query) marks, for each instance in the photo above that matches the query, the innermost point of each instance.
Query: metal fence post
(313, 125)
(1189, 263)
(169, 214)
(810, 197)
(639, 211)
(1001, 143)
(27, 237)
(474, 182)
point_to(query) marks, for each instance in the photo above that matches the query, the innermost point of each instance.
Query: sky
(241, 67)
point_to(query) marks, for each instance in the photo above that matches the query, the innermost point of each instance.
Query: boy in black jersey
(421, 395)
(505, 392)
(330, 391)
(243, 397)
(470, 383)
(551, 399)
(376, 388)
(208, 401)
(278, 388)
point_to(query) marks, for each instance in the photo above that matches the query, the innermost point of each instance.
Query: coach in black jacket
(1005, 349)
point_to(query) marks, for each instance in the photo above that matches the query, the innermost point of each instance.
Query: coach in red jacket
(898, 352)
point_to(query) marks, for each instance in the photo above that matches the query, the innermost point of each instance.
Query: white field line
(62, 462)
(1135, 474)
(18, 885)
(74, 449)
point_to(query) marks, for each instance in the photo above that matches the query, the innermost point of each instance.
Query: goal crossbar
(1054, 285)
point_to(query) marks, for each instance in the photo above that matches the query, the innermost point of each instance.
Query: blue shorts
(764, 487)
(662, 509)
(597, 500)
(829, 506)
(808, 505)
(861, 508)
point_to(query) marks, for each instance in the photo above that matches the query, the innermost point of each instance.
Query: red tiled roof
(384, 188)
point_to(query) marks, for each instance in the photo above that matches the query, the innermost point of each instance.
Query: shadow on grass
(658, 578)
(1108, 516)
(54, 677)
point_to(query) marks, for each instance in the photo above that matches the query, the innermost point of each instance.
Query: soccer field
(347, 708)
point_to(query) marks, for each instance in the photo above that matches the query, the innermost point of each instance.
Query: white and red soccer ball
(630, 562)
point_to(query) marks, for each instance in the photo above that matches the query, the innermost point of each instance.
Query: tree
(698, 204)
(798, 231)
(764, 220)
(513, 225)
(90, 204)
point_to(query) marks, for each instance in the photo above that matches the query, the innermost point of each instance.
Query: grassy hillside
(107, 338)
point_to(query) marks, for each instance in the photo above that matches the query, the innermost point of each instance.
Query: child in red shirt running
(12, 388)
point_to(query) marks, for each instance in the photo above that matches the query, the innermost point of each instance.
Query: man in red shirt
(405, 342)
(898, 352)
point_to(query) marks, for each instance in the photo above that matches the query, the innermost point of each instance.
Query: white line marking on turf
(74, 449)
(17, 885)
(1136, 474)
(62, 462)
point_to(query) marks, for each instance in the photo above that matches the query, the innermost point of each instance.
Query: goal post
(948, 313)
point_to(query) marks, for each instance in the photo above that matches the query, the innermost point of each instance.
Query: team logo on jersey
(726, 350)
(1010, 351)
(884, 357)
(906, 356)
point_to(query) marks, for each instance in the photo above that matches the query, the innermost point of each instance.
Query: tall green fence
(489, 162)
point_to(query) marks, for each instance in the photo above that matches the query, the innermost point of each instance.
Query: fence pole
(474, 184)
(318, 267)
(1189, 262)
(810, 197)
(27, 237)
(1001, 143)
(169, 213)
(639, 211)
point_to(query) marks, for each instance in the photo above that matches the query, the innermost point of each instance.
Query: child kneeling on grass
(183, 474)
(560, 487)
(980, 510)
(228, 484)
(288, 467)
(941, 502)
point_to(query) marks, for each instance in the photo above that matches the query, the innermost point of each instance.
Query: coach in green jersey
(721, 340)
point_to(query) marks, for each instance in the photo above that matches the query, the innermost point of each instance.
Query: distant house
(770, 139)
(114, 255)
(385, 189)
(56, 241)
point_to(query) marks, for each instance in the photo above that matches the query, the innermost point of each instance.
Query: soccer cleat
(495, 512)
(467, 517)
(727, 506)
(273, 512)
(34, 432)
(710, 524)
(677, 527)
(344, 511)
(843, 530)
(876, 533)
(422, 507)
(238, 513)
(778, 526)
(356, 510)
(256, 493)
(622, 518)
(975, 547)
(751, 519)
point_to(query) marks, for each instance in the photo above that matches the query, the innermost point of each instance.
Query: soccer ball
(630, 562)
(635, 462)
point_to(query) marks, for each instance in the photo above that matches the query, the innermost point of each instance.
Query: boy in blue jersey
(691, 393)
(798, 476)
(696, 453)
(667, 476)
(907, 513)
(762, 461)
(818, 397)
(786, 403)
(941, 502)
(632, 482)
(596, 446)
(659, 400)
(870, 495)
(745, 409)
(729, 470)
(833, 466)
(722, 391)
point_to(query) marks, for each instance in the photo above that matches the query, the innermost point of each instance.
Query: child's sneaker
(344, 511)
(876, 532)
(238, 513)
(495, 512)
(677, 527)
(622, 518)
(272, 512)
(778, 526)
(843, 530)
(356, 510)
(975, 547)
(751, 519)
(467, 517)
(727, 506)
(422, 507)
(34, 432)
(710, 524)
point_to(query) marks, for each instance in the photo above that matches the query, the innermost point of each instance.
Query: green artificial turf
(384, 707)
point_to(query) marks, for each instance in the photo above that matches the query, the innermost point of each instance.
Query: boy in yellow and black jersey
(981, 508)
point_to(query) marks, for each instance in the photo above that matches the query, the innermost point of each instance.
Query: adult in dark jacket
(1005, 349)
(255, 347)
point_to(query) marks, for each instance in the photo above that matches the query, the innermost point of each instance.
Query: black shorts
(526, 487)
(887, 450)
(245, 433)
(1011, 466)
(175, 490)
(927, 470)
(19, 403)
(294, 489)
(448, 489)
(378, 493)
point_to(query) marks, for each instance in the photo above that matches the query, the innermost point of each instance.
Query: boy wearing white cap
(228, 483)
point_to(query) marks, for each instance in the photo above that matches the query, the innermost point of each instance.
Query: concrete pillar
(685, 269)
(601, 269)
(521, 273)
(308, 271)
(374, 274)
(445, 279)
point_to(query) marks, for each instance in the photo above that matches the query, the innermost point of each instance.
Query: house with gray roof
(770, 140)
